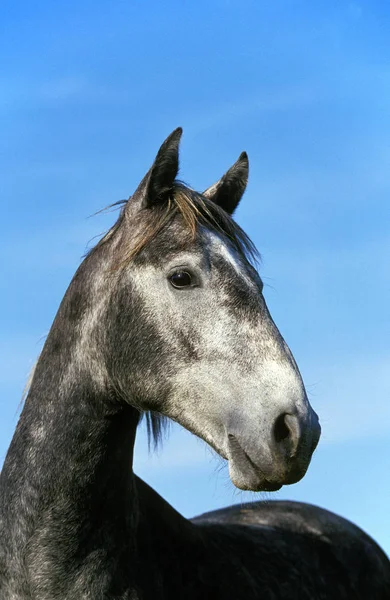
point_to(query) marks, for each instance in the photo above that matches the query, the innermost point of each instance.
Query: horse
(165, 319)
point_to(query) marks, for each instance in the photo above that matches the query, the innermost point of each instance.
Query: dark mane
(196, 210)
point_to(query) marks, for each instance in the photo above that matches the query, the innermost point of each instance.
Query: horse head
(186, 332)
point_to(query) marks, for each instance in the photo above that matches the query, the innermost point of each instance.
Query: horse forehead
(222, 249)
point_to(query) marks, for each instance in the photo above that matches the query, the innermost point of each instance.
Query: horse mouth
(244, 473)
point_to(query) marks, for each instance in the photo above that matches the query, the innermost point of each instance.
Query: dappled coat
(165, 317)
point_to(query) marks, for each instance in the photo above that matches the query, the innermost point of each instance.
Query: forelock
(194, 209)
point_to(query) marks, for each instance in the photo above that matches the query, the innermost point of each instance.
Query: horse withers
(166, 318)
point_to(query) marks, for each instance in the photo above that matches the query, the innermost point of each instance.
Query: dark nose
(288, 433)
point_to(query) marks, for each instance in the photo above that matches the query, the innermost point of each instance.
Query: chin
(256, 486)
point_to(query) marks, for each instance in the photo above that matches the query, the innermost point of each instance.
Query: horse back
(322, 554)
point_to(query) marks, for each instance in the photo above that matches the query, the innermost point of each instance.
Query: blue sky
(89, 90)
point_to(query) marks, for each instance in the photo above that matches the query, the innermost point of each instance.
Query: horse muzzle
(281, 460)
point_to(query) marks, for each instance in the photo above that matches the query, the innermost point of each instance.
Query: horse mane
(195, 209)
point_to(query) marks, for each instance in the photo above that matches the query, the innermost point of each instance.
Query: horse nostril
(281, 429)
(287, 433)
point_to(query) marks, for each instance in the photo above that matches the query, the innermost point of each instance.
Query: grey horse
(166, 318)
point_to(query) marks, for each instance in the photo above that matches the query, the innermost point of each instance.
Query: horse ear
(228, 191)
(164, 169)
(158, 182)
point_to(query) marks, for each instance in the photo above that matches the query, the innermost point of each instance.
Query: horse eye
(181, 279)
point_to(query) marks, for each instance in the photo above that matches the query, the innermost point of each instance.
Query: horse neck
(67, 486)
